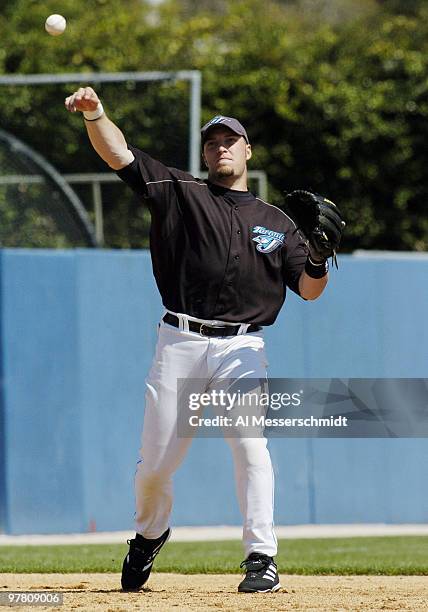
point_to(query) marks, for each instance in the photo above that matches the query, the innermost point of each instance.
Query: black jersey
(217, 253)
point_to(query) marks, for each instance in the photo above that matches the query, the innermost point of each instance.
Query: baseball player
(222, 259)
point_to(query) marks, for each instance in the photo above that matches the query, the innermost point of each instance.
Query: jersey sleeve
(294, 255)
(152, 180)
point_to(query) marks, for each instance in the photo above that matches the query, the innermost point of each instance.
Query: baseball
(55, 25)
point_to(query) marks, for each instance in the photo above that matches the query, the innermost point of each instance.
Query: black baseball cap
(230, 122)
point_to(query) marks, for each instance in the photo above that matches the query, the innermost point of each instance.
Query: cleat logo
(147, 566)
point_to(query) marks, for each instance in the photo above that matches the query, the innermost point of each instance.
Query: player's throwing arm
(106, 138)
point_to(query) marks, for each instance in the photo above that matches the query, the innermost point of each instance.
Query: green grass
(378, 555)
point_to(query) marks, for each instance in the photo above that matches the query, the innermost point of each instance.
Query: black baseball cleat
(138, 563)
(262, 575)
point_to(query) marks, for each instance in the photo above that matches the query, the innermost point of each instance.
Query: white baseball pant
(181, 354)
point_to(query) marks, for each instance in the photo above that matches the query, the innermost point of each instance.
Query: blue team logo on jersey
(267, 240)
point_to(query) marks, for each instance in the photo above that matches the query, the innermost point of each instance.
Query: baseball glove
(319, 220)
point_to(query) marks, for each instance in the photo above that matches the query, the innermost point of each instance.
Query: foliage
(335, 100)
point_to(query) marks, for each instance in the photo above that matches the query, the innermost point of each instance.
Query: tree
(339, 105)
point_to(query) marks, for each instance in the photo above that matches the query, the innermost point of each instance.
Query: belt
(209, 330)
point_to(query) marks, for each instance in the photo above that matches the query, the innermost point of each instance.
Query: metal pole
(76, 205)
(195, 124)
(98, 210)
(194, 76)
(263, 185)
(95, 77)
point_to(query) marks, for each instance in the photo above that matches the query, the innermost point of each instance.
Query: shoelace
(138, 550)
(257, 564)
(148, 553)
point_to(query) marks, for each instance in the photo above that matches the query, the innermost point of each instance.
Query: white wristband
(317, 263)
(95, 114)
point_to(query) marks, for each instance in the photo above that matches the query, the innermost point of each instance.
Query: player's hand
(320, 221)
(84, 99)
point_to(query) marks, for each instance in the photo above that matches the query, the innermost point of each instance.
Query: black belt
(209, 330)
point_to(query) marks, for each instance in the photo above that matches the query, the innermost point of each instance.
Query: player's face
(226, 153)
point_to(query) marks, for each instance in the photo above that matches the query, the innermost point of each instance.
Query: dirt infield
(167, 592)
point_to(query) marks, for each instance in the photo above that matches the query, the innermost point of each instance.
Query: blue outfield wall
(77, 335)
